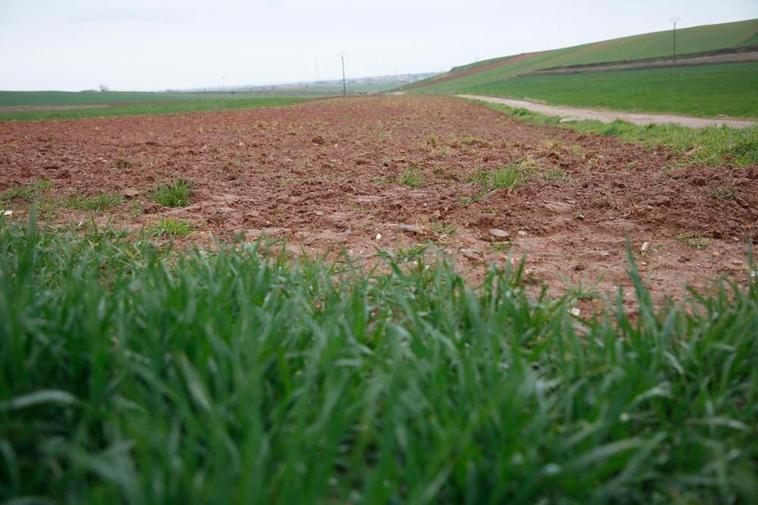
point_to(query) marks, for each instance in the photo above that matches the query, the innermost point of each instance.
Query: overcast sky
(154, 44)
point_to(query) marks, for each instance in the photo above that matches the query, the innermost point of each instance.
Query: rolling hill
(503, 76)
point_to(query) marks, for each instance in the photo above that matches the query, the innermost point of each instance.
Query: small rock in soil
(472, 254)
(558, 207)
(411, 228)
(499, 234)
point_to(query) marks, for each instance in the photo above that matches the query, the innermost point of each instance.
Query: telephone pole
(344, 84)
(674, 20)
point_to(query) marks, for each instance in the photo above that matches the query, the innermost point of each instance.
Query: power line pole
(344, 84)
(674, 20)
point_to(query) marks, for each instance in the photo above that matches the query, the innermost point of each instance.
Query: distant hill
(488, 73)
(373, 84)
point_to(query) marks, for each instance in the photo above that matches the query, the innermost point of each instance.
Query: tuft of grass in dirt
(694, 240)
(406, 255)
(556, 175)
(27, 192)
(505, 177)
(131, 374)
(711, 146)
(470, 140)
(724, 193)
(433, 140)
(124, 164)
(441, 228)
(581, 291)
(381, 181)
(136, 209)
(509, 176)
(412, 177)
(174, 194)
(501, 247)
(576, 150)
(466, 200)
(170, 228)
(97, 202)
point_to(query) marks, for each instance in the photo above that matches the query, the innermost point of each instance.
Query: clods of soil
(406, 174)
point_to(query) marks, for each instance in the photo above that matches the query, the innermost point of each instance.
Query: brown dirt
(323, 175)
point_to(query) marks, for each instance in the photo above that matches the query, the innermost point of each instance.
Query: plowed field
(394, 173)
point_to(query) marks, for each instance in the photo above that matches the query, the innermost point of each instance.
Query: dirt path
(608, 116)
(402, 174)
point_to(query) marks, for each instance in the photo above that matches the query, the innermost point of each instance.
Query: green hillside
(728, 89)
(651, 45)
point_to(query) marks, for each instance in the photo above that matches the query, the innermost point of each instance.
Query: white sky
(154, 44)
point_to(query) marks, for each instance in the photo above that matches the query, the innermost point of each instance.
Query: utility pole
(344, 84)
(674, 20)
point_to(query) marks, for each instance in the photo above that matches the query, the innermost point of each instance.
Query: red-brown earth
(327, 177)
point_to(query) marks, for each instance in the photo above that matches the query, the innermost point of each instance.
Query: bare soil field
(395, 172)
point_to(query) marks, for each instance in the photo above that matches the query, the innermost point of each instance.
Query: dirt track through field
(328, 176)
(608, 116)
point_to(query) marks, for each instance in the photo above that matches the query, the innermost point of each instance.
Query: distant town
(371, 84)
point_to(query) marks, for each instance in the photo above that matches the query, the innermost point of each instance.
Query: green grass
(556, 175)
(651, 45)
(62, 98)
(173, 194)
(412, 177)
(724, 192)
(706, 90)
(712, 146)
(694, 240)
(98, 203)
(170, 228)
(135, 375)
(508, 176)
(26, 192)
(443, 229)
(113, 104)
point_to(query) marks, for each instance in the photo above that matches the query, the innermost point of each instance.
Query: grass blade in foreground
(131, 375)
